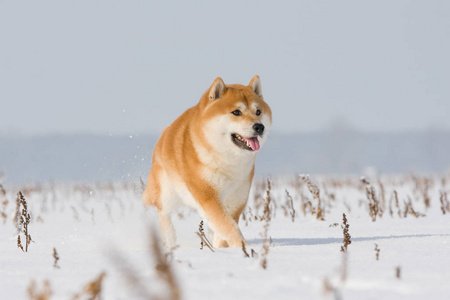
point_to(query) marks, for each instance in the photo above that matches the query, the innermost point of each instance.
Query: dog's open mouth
(251, 144)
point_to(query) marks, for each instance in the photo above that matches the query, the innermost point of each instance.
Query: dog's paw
(239, 243)
(220, 244)
(168, 240)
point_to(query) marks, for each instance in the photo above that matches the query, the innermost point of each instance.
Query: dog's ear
(255, 85)
(217, 89)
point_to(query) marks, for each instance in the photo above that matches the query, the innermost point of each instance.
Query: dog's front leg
(235, 212)
(226, 230)
(220, 221)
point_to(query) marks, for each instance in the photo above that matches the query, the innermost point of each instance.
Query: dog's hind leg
(167, 230)
(152, 192)
(159, 193)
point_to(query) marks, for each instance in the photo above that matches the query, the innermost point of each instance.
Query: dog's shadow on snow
(323, 241)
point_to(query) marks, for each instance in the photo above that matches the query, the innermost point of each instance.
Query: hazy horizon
(104, 158)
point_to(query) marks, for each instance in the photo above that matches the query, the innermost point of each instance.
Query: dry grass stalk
(248, 216)
(347, 237)
(19, 243)
(267, 201)
(398, 272)
(93, 289)
(258, 199)
(34, 293)
(374, 207)
(267, 218)
(76, 216)
(254, 254)
(4, 202)
(17, 217)
(425, 188)
(314, 190)
(344, 267)
(394, 195)
(164, 269)
(244, 250)
(373, 202)
(56, 258)
(203, 239)
(329, 289)
(445, 204)
(290, 205)
(383, 196)
(377, 252)
(306, 205)
(422, 185)
(264, 254)
(23, 221)
(131, 277)
(409, 209)
(4, 216)
(397, 204)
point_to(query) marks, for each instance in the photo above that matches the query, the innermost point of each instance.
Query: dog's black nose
(259, 128)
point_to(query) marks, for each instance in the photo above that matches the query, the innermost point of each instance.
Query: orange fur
(195, 161)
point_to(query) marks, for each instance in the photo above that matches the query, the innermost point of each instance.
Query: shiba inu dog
(206, 159)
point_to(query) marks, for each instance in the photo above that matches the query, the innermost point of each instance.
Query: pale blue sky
(131, 67)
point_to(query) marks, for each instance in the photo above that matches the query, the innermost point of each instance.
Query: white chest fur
(228, 175)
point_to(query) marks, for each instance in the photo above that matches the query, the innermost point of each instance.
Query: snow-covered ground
(99, 228)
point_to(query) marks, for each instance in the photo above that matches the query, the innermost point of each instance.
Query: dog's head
(236, 118)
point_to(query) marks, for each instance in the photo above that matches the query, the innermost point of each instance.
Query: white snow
(105, 227)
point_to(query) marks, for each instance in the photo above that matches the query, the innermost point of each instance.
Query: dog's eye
(236, 112)
(258, 112)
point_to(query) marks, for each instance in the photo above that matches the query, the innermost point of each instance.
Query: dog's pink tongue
(254, 143)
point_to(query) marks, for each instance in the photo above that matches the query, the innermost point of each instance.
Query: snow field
(105, 227)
